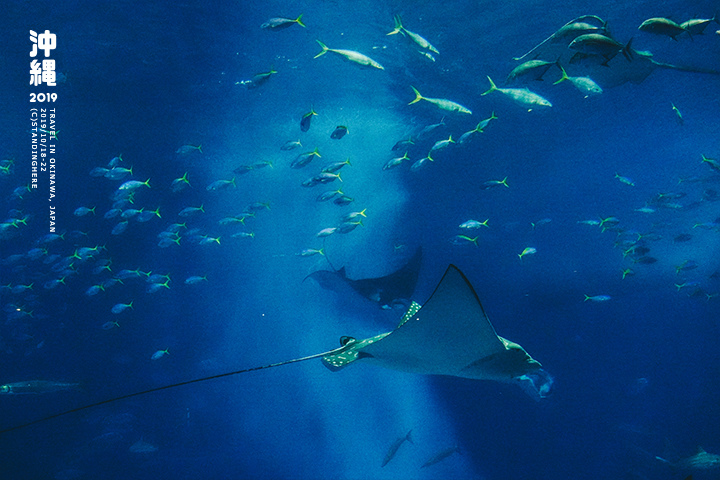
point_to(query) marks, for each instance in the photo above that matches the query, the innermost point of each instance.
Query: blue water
(635, 376)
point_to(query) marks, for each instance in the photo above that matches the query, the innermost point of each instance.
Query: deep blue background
(635, 376)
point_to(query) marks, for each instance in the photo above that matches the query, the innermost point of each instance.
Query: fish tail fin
(324, 49)
(627, 50)
(564, 75)
(408, 437)
(492, 88)
(398, 25)
(299, 21)
(418, 97)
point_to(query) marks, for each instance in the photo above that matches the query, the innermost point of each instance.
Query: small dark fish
(340, 132)
(441, 455)
(259, 78)
(400, 144)
(291, 144)
(306, 119)
(711, 195)
(686, 265)
(494, 183)
(310, 182)
(639, 250)
(335, 166)
(666, 197)
(348, 227)
(646, 260)
(430, 128)
(683, 237)
(243, 169)
(304, 158)
(343, 200)
(329, 195)
(395, 446)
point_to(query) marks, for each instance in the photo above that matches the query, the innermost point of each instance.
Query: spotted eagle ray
(449, 335)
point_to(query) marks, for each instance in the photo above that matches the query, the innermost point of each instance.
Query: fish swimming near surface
(392, 289)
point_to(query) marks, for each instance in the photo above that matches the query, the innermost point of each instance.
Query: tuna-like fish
(521, 96)
(350, 55)
(420, 41)
(441, 103)
(585, 85)
(597, 44)
(532, 70)
(663, 26)
(134, 185)
(280, 23)
(696, 26)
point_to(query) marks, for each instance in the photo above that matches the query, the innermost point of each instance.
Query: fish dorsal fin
(700, 450)
(342, 273)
